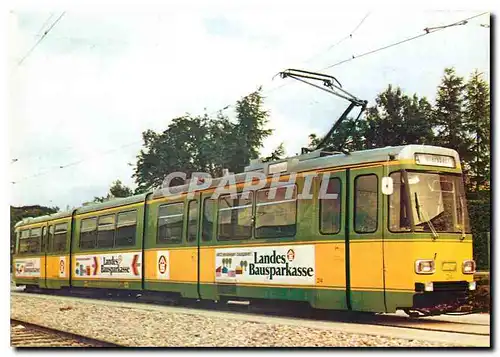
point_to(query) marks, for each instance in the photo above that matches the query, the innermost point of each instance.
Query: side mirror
(387, 185)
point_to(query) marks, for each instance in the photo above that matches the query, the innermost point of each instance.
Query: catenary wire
(41, 38)
(427, 31)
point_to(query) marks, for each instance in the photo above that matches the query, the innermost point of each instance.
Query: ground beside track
(136, 324)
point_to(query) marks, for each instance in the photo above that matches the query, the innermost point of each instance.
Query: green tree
(398, 119)
(249, 133)
(203, 144)
(450, 118)
(117, 190)
(277, 154)
(348, 136)
(395, 119)
(477, 117)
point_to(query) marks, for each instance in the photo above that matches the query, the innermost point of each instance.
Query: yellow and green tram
(374, 230)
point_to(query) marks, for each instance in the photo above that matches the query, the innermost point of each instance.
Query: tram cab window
(106, 231)
(208, 219)
(399, 218)
(276, 212)
(126, 229)
(58, 233)
(34, 243)
(366, 204)
(235, 217)
(192, 229)
(23, 241)
(330, 208)
(170, 222)
(88, 233)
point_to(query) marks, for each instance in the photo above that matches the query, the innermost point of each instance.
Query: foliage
(480, 218)
(398, 119)
(477, 114)
(450, 118)
(117, 189)
(249, 131)
(277, 154)
(459, 119)
(348, 136)
(203, 144)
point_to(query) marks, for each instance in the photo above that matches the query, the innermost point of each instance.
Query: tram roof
(318, 159)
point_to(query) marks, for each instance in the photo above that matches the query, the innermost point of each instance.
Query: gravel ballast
(141, 327)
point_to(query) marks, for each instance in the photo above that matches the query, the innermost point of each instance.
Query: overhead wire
(44, 24)
(56, 167)
(41, 38)
(427, 31)
(339, 41)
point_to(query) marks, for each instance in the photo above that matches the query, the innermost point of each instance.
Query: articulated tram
(375, 230)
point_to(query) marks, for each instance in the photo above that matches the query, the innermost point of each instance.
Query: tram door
(44, 246)
(365, 254)
(206, 252)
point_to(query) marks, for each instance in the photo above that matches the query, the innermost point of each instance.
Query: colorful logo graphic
(290, 255)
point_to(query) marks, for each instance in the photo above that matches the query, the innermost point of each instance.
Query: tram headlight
(469, 267)
(425, 266)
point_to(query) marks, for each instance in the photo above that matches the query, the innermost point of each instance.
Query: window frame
(25, 239)
(355, 203)
(52, 237)
(251, 197)
(197, 220)
(410, 218)
(130, 225)
(214, 218)
(254, 212)
(320, 209)
(170, 242)
(106, 230)
(30, 238)
(80, 233)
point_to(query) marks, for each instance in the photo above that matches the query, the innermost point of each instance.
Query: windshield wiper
(420, 210)
(462, 206)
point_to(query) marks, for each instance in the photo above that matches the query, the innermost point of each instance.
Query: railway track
(23, 334)
(454, 327)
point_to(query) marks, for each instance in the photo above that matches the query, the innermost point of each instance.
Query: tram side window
(126, 229)
(106, 231)
(208, 219)
(23, 241)
(276, 212)
(59, 237)
(170, 222)
(235, 217)
(330, 208)
(399, 220)
(34, 240)
(366, 204)
(192, 229)
(88, 233)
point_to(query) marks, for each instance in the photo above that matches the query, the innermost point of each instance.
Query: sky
(84, 95)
